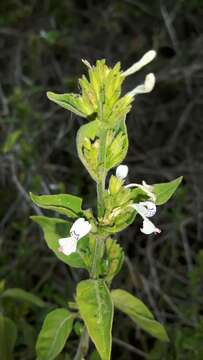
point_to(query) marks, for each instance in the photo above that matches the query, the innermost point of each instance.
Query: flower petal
(67, 245)
(149, 228)
(80, 228)
(146, 59)
(144, 88)
(150, 207)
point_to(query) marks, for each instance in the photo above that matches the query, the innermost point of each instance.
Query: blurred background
(41, 46)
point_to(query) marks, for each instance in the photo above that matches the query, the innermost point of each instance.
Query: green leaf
(72, 102)
(164, 191)
(139, 313)
(54, 229)
(96, 309)
(65, 204)
(8, 335)
(55, 331)
(10, 141)
(22, 295)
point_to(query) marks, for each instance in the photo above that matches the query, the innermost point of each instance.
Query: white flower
(146, 209)
(146, 59)
(79, 229)
(67, 245)
(148, 189)
(144, 88)
(122, 171)
(149, 228)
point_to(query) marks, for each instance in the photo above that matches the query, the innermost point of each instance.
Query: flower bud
(122, 171)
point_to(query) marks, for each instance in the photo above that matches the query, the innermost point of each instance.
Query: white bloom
(146, 209)
(149, 228)
(146, 59)
(144, 88)
(79, 229)
(67, 245)
(148, 189)
(122, 171)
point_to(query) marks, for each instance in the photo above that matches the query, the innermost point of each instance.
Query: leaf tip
(50, 95)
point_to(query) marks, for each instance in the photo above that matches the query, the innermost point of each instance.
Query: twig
(129, 347)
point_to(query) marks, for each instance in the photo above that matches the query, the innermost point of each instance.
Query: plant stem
(83, 346)
(98, 250)
(102, 172)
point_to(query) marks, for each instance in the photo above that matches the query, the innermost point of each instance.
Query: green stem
(102, 172)
(83, 346)
(99, 242)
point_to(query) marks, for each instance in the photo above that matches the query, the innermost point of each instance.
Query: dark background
(41, 46)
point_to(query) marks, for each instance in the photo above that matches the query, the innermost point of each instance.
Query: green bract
(86, 239)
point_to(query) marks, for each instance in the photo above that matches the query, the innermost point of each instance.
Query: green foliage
(139, 313)
(54, 229)
(164, 191)
(70, 102)
(101, 144)
(40, 47)
(89, 143)
(8, 335)
(96, 309)
(22, 295)
(65, 204)
(55, 331)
